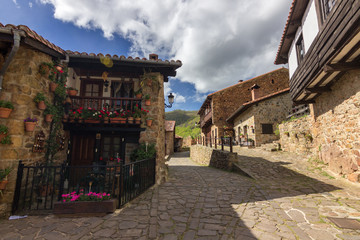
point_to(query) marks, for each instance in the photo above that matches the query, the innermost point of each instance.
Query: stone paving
(283, 201)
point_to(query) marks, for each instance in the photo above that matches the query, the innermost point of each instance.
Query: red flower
(101, 158)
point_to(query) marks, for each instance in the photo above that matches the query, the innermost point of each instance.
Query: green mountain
(185, 122)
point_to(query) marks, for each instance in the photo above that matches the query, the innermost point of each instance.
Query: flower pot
(59, 68)
(48, 117)
(139, 95)
(85, 207)
(41, 105)
(149, 122)
(147, 102)
(91, 121)
(118, 120)
(3, 184)
(53, 86)
(137, 120)
(130, 120)
(30, 126)
(5, 112)
(72, 92)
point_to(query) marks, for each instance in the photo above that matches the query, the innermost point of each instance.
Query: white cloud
(16, 3)
(219, 42)
(30, 4)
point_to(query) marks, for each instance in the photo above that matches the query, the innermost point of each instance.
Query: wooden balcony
(206, 119)
(99, 103)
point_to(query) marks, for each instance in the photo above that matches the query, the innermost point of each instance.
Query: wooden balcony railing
(204, 119)
(99, 103)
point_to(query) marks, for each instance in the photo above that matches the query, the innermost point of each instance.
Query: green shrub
(143, 152)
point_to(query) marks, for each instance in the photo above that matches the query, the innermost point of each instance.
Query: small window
(300, 49)
(267, 128)
(327, 6)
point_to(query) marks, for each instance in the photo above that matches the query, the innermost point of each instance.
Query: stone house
(257, 120)
(321, 45)
(220, 105)
(102, 80)
(169, 137)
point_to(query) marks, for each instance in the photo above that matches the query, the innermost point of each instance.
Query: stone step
(271, 147)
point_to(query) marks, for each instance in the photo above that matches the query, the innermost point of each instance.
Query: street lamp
(171, 101)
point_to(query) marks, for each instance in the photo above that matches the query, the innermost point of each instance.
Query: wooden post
(231, 145)
(210, 142)
(215, 143)
(222, 143)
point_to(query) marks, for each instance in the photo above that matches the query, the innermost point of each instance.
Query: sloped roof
(170, 126)
(31, 34)
(249, 104)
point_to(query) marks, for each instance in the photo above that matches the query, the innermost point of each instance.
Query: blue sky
(219, 42)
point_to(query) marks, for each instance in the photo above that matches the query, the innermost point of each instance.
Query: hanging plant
(40, 100)
(5, 109)
(4, 138)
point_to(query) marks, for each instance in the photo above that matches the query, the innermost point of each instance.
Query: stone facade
(334, 128)
(213, 157)
(272, 111)
(170, 140)
(21, 83)
(156, 133)
(226, 101)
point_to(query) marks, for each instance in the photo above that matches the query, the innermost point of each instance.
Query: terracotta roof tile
(170, 126)
(32, 34)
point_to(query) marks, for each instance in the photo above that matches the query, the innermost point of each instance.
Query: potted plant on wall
(4, 138)
(147, 100)
(138, 93)
(49, 112)
(40, 100)
(149, 121)
(72, 91)
(30, 124)
(5, 109)
(3, 177)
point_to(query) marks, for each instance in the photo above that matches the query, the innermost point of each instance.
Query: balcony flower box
(118, 120)
(85, 207)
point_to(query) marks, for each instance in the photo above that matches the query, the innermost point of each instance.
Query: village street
(284, 200)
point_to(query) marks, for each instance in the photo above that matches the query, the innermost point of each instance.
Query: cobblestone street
(285, 199)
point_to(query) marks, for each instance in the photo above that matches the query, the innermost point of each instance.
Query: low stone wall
(212, 157)
(295, 136)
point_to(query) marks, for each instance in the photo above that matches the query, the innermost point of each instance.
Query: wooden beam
(338, 67)
(317, 90)
(290, 36)
(295, 22)
(304, 102)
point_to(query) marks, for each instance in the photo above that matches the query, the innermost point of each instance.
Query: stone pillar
(156, 133)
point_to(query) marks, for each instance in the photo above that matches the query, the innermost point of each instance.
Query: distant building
(220, 105)
(169, 137)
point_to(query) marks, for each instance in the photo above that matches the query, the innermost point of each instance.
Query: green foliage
(143, 152)
(277, 130)
(6, 140)
(39, 97)
(147, 97)
(3, 129)
(5, 172)
(50, 109)
(6, 104)
(185, 121)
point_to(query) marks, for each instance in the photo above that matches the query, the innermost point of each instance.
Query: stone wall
(169, 137)
(295, 136)
(334, 127)
(268, 111)
(225, 102)
(21, 83)
(212, 157)
(156, 132)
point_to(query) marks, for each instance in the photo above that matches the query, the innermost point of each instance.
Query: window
(267, 128)
(327, 6)
(300, 49)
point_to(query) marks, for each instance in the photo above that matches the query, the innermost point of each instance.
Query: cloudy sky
(218, 41)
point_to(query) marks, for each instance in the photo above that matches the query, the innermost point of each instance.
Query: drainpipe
(14, 49)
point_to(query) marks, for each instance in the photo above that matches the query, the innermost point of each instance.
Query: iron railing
(224, 141)
(99, 103)
(38, 187)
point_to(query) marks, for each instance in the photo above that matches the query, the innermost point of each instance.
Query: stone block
(16, 127)
(16, 141)
(354, 177)
(8, 153)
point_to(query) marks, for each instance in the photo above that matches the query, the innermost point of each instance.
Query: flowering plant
(91, 196)
(76, 113)
(116, 159)
(30, 119)
(116, 114)
(139, 111)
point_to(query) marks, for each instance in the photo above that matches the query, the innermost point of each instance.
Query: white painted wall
(309, 29)
(310, 25)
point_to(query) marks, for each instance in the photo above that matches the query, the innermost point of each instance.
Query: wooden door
(83, 146)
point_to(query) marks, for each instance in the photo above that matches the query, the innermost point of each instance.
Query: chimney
(153, 56)
(255, 92)
(240, 81)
